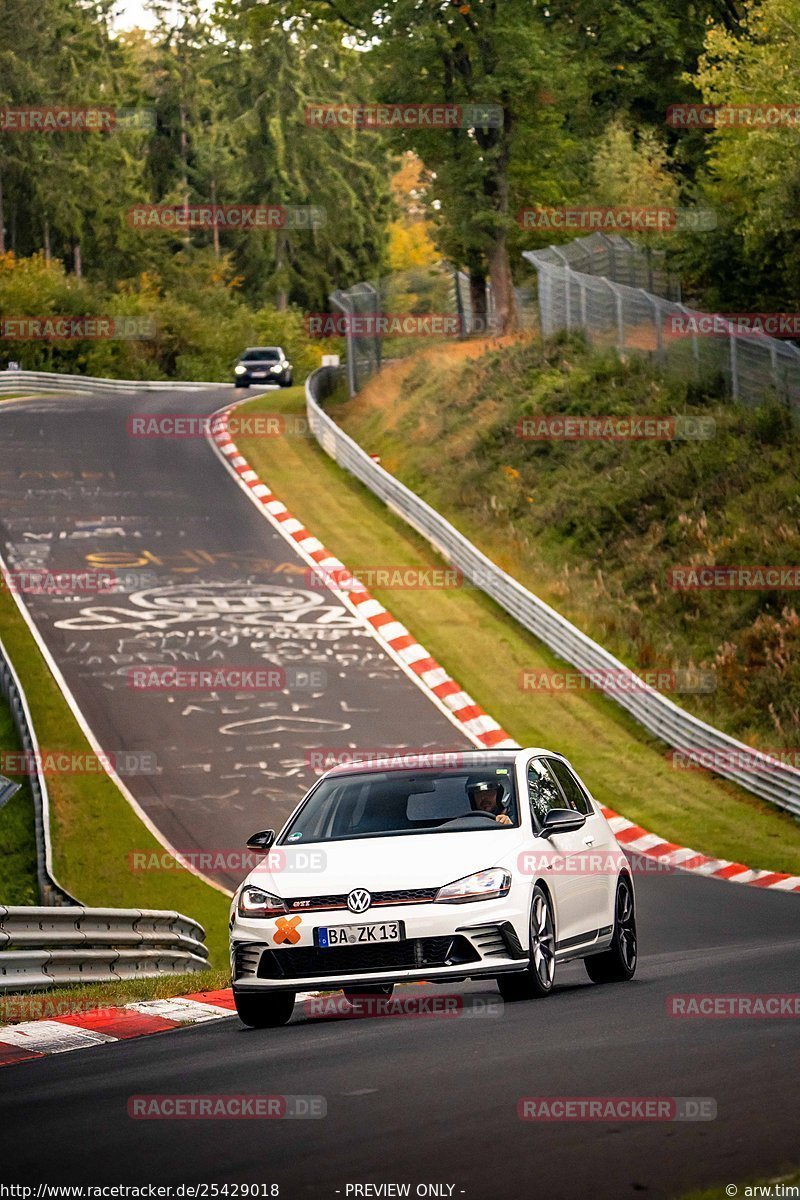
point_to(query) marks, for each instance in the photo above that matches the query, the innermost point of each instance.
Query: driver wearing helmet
(486, 797)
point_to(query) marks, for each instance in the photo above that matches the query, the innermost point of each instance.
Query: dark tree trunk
(215, 227)
(477, 296)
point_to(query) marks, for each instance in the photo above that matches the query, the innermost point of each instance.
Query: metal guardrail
(8, 788)
(770, 779)
(43, 947)
(61, 941)
(50, 890)
(47, 381)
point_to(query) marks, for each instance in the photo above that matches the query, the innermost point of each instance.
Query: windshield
(261, 356)
(396, 803)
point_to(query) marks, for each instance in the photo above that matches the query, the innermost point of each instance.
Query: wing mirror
(261, 841)
(561, 820)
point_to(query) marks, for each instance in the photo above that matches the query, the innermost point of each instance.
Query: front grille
(313, 962)
(379, 899)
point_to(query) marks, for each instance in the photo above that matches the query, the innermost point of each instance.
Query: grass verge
(90, 997)
(485, 650)
(596, 527)
(17, 832)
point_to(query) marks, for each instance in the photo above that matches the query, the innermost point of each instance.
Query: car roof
(252, 349)
(423, 760)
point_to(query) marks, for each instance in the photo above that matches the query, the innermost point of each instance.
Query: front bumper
(272, 377)
(440, 942)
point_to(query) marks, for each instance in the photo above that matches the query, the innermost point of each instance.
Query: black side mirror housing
(561, 820)
(261, 841)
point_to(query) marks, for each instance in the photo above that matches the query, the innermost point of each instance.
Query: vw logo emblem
(359, 900)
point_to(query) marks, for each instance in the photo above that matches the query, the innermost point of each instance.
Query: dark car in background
(262, 364)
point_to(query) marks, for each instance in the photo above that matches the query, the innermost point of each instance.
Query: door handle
(589, 841)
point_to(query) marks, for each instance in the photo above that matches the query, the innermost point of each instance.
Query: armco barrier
(46, 381)
(43, 947)
(776, 782)
(50, 890)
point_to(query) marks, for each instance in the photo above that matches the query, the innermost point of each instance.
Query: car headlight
(239, 369)
(277, 368)
(286, 365)
(483, 885)
(255, 902)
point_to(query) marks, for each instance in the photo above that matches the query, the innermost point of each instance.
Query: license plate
(259, 374)
(358, 935)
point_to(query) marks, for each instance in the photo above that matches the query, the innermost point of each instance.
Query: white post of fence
(734, 365)
(620, 316)
(545, 300)
(773, 363)
(657, 322)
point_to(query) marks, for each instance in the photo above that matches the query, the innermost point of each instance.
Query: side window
(543, 793)
(576, 798)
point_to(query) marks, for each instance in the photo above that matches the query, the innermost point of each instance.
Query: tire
(263, 1011)
(618, 963)
(536, 981)
(287, 382)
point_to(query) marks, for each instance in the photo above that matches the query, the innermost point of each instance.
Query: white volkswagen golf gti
(446, 867)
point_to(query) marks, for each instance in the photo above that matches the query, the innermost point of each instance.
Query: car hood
(384, 863)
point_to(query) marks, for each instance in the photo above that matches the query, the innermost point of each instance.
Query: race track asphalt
(200, 580)
(434, 1099)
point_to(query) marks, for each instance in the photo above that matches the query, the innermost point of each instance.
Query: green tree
(754, 172)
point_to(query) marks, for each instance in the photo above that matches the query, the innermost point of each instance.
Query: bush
(198, 323)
